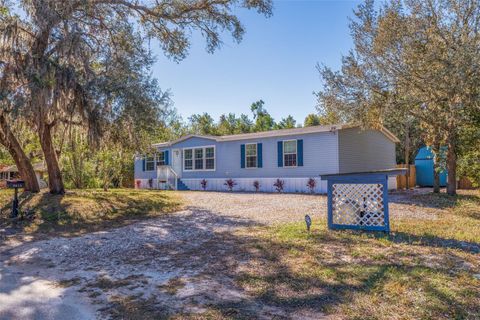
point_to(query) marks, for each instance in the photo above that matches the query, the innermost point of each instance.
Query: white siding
(292, 185)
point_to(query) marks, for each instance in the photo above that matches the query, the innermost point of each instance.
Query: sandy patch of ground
(25, 294)
(179, 264)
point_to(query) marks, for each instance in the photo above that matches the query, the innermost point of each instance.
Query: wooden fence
(463, 183)
(402, 179)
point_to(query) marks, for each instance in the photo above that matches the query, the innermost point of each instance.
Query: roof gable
(181, 139)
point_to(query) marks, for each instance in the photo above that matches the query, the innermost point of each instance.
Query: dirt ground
(179, 265)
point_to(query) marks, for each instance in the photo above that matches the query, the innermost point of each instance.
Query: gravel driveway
(264, 208)
(272, 208)
(181, 263)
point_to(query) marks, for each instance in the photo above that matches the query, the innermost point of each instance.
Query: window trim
(184, 159)
(157, 158)
(154, 162)
(204, 158)
(296, 153)
(256, 155)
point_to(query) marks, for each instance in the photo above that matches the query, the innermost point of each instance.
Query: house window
(251, 155)
(188, 156)
(209, 158)
(149, 163)
(290, 153)
(199, 158)
(161, 158)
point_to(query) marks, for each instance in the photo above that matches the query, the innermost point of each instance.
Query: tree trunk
(436, 169)
(407, 153)
(55, 181)
(436, 179)
(25, 168)
(76, 161)
(40, 101)
(451, 168)
(106, 181)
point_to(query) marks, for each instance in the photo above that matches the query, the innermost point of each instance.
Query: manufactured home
(196, 162)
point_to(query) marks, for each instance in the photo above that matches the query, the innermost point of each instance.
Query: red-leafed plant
(256, 185)
(138, 183)
(230, 183)
(203, 183)
(279, 184)
(311, 184)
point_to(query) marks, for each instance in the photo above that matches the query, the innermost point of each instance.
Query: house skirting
(150, 184)
(292, 185)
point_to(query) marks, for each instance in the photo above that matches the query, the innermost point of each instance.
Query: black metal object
(308, 221)
(15, 184)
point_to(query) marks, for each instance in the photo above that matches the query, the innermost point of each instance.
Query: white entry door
(177, 161)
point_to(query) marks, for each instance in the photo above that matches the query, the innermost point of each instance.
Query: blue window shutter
(300, 152)
(242, 156)
(259, 155)
(280, 153)
(165, 155)
(143, 164)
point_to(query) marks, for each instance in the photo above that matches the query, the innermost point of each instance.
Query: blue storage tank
(424, 168)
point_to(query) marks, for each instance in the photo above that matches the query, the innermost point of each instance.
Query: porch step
(181, 185)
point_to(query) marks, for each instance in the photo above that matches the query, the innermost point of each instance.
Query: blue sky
(275, 62)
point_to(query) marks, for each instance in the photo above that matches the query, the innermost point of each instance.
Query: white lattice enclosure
(358, 204)
(359, 200)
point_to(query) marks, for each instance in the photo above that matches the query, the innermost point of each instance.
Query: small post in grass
(308, 221)
(15, 184)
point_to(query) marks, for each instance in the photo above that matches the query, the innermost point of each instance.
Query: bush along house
(288, 160)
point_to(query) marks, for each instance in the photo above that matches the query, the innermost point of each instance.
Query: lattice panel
(358, 204)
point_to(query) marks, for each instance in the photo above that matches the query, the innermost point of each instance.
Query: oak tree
(53, 48)
(415, 59)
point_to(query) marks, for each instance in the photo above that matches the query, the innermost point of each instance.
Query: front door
(177, 161)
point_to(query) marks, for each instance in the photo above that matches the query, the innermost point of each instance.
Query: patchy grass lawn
(80, 211)
(458, 218)
(425, 269)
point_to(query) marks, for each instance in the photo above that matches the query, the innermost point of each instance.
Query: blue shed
(424, 168)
